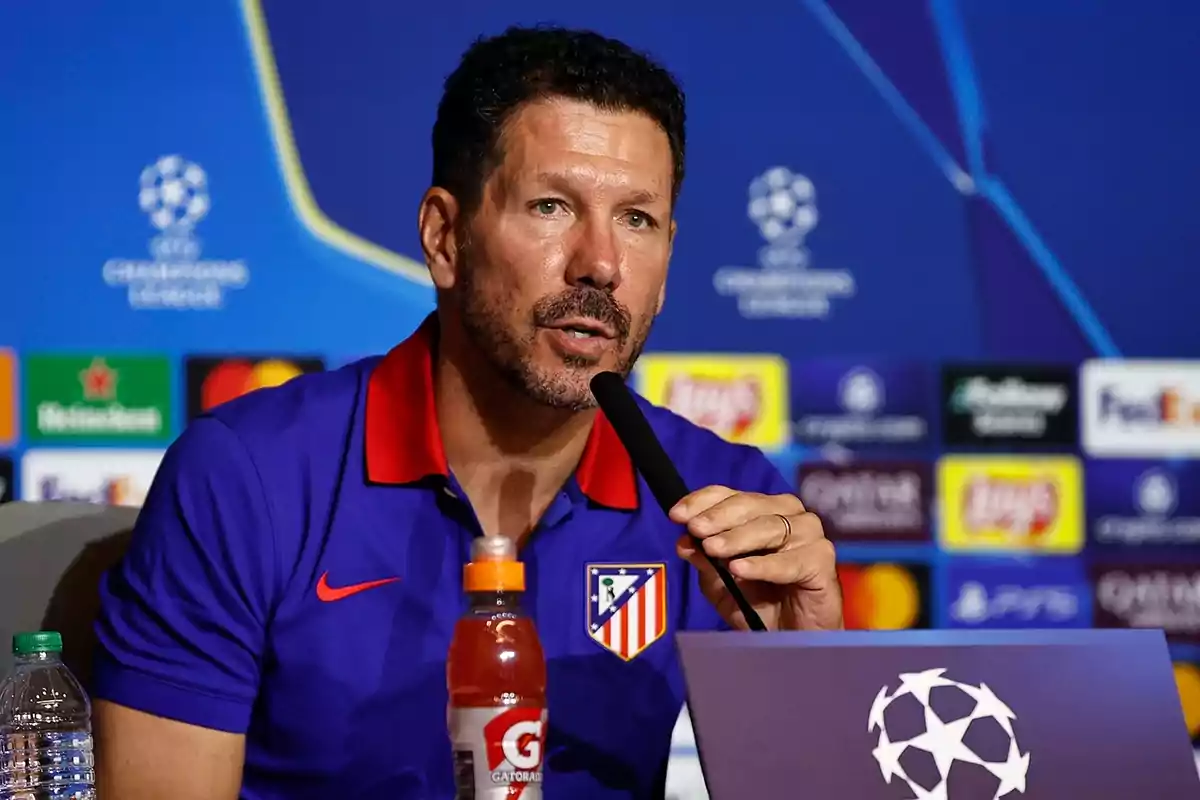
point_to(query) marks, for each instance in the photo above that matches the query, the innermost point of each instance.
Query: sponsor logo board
(869, 501)
(1141, 409)
(1165, 596)
(855, 403)
(96, 396)
(743, 398)
(1040, 593)
(1136, 502)
(212, 380)
(8, 397)
(1009, 504)
(108, 477)
(6, 479)
(885, 596)
(1005, 406)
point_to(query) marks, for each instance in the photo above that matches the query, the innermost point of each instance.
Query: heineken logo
(97, 397)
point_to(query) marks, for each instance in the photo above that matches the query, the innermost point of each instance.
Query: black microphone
(647, 454)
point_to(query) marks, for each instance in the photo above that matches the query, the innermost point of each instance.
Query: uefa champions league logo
(782, 205)
(946, 737)
(173, 192)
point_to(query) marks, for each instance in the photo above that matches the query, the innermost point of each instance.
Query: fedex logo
(728, 407)
(1167, 407)
(1141, 409)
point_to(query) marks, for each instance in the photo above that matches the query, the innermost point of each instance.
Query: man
(280, 625)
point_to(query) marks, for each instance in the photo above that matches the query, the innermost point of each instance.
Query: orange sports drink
(496, 674)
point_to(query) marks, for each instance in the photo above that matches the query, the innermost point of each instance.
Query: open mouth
(584, 329)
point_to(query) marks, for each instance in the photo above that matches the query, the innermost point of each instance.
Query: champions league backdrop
(934, 256)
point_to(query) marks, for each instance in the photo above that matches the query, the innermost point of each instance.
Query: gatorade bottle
(496, 674)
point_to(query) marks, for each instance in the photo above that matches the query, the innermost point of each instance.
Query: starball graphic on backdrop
(174, 194)
(950, 721)
(783, 206)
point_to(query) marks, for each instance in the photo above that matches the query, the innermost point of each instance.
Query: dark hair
(497, 75)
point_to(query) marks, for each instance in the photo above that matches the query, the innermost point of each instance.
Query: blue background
(1006, 181)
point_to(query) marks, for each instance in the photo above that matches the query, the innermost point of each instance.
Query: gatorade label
(498, 752)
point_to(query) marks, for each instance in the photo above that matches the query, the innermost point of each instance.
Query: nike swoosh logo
(330, 594)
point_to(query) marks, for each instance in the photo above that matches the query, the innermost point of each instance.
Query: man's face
(564, 263)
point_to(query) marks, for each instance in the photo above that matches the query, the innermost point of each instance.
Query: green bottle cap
(31, 642)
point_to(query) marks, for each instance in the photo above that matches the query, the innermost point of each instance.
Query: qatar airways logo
(1166, 597)
(871, 502)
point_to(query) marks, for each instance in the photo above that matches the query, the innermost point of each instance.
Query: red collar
(403, 442)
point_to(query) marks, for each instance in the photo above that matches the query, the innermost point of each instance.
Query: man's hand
(776, 551)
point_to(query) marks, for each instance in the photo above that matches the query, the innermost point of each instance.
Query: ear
(662, 290)
(437, 226)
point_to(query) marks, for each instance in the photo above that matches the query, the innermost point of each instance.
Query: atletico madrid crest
(627, 606)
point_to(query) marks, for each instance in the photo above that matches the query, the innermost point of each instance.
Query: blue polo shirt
(296, 573)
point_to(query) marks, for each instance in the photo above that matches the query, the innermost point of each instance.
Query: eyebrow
(560, 183)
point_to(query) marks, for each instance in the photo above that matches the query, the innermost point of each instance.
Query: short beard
(512, 355)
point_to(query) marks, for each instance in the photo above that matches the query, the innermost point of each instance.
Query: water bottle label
(498, 752)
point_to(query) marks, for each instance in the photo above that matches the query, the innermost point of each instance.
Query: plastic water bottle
(45, 725)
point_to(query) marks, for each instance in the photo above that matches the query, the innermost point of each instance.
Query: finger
(709, 581)
(767, 532)
(698, 501)
(810, 566)
(740, 509)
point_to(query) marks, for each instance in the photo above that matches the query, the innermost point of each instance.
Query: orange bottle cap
(494, 566)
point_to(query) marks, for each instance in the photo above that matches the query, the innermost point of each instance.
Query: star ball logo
(931, 727)
(213, 380)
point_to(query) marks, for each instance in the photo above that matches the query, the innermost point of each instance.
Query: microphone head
(605, 384)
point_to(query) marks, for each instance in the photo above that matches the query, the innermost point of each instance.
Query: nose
(596, 257)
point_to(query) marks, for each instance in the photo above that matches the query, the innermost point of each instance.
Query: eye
(640, 219)
(546, 206)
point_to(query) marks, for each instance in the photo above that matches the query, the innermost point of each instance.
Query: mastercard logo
(1187, 680)
(213, 381)
(882, 596)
